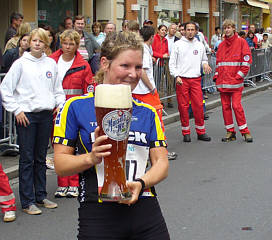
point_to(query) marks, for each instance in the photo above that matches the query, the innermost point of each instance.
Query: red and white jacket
(78, 80)
(233, 60)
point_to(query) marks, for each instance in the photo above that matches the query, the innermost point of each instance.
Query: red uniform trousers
(7, 198)
(154, 101)
(69, 181)
(190, 90)
(232, 100)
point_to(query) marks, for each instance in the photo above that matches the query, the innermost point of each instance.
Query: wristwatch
(143, 184)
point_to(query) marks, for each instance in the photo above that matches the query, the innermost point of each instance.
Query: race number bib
(136, 161)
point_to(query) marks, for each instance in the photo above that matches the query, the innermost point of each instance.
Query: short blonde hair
(24, 28)
(42, 34)
(71, 34)
(229, 22)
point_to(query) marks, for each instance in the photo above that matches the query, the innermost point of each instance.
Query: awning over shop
(259, 4)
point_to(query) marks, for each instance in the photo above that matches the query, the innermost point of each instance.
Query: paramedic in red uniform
(233, 60)
(7, 198)
(187, 56)
(77, 78)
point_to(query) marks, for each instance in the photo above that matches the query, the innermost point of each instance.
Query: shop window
(51, 12)
(168, 16)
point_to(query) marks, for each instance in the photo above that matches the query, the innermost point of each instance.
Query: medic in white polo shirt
(187, 56)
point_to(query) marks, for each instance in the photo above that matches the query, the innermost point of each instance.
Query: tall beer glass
(113, 106)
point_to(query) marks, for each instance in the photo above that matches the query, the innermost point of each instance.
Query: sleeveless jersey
(75, 125)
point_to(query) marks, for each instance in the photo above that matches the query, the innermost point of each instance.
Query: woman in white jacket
(31, 91)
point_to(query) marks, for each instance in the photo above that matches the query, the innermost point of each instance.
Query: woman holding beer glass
(138, 217)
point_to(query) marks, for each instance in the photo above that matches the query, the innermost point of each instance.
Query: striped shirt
(82, 49)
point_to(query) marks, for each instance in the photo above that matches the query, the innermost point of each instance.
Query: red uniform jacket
(159, 47)
(233, 60)
(78, 79)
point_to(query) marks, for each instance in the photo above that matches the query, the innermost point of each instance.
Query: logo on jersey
(137, 137)
(195, 52)
(116, 124)
(90, 88)
(48, 74)
(93, 124)
(246, 58)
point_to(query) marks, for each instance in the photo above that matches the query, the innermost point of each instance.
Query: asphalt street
(214, 191)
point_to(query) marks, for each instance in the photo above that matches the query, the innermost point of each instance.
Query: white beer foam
(113, 96)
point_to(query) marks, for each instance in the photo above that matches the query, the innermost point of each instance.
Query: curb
(13, 172)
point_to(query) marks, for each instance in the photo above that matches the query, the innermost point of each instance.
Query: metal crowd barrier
(261, 66)
(260, 69)
(208, 83)
(8, 143)
(165, 83)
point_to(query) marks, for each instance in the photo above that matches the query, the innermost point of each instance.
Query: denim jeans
(33, 142)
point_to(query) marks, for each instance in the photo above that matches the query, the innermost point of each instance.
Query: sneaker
(32, 210)
(47, 204)
(61, 192)
(72, 192)
(172, 156)
(230, 136)
(9, 216)
(50, 163)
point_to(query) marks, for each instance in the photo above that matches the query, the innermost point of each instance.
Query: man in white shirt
(216, 37)
(185, 63)
(146, 91)
(171, 39)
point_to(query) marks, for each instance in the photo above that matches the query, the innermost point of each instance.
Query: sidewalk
(10, 164)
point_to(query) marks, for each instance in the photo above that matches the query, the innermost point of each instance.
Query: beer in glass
(113, 106)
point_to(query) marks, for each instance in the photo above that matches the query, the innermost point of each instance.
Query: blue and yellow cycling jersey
(75, 125)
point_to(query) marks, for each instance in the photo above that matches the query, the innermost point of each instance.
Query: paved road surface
(213, 192)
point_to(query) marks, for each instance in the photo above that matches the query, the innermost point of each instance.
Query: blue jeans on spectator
(33, 142)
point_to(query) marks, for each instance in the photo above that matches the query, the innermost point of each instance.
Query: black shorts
(114, 221)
